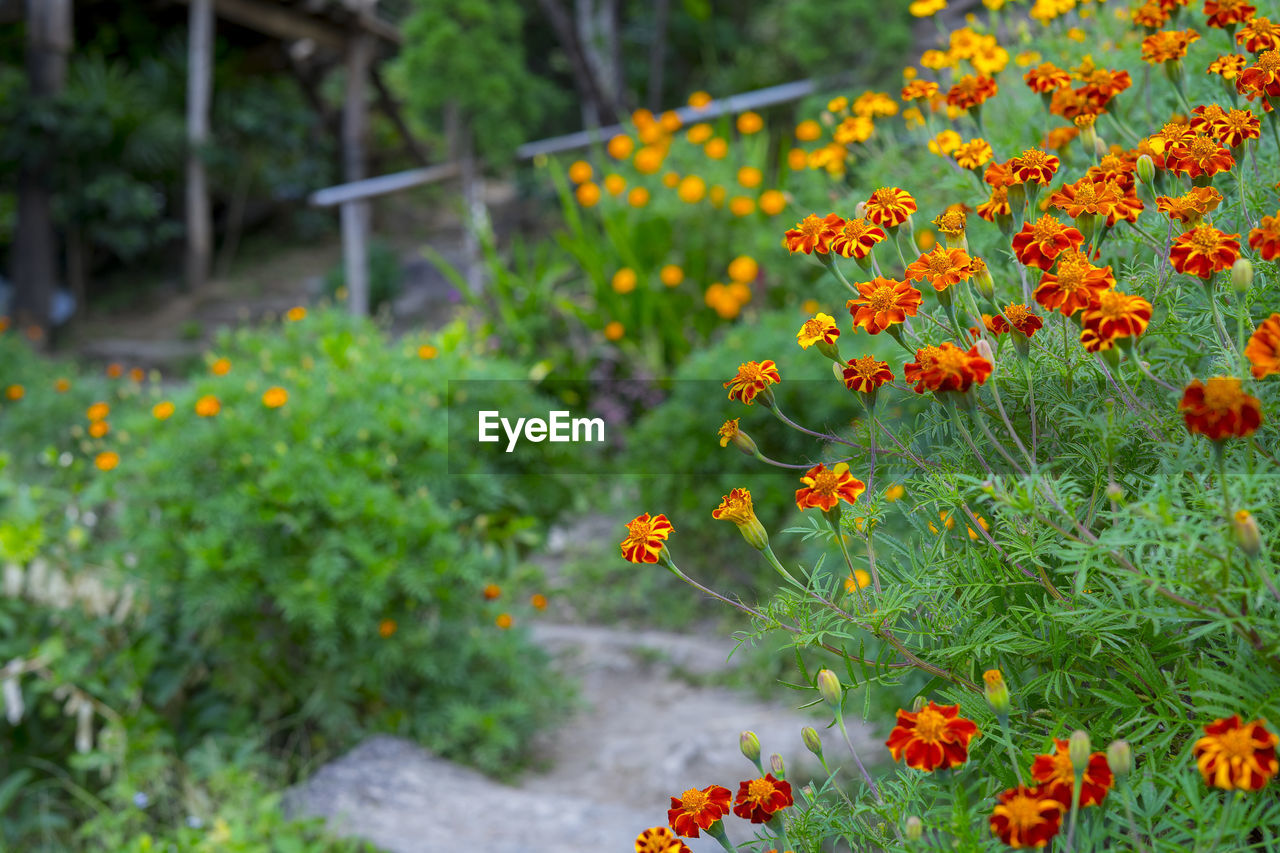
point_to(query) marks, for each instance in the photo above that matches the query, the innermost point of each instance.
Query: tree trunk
(355, 214)
(657, 53)
(596, 109)
(199, 93)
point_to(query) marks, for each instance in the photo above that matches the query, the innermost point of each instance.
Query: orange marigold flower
(1227, 13)
(1117, 315)
(1088, 196)
(491, 591)
(1076, 284)
(946, 368)
(753, 378)
(825, 487)
(107, 460)
(973, 154)
(659, 839)
(1204, 250)
(97, 429)
(1091, 342)
(1220, 409)
(818, 328)
(1038, 243)
(942, 267)
(1103, 84)
(503, 621)
(738, 508)
(1167, 46)
(1026, 817)
(1150, 15)
(996, 205)
(727, 432)
(856, 238)
(1265, 239)
(1227, 66)
(1198, 156)
(645, 536)
(115, 371)
(889, 207)
(813, 234)
(538, 600)
(1191, 206)
(1259, 34)
(1034, 165)
(298, 312)
(919, 90)
(162, 411)
(1263, 77)
(97, 411)
(1263, 349)
(275, 397)
(208, 406)
(972, 91)
(999, 175)
(866, 374)
(1017, 316)
(883, 302)
(62, 385)
(759, 799)
(698, 809)
(1046, 77)
(220, 367)
(386, 628)
(935, 736)
(1055, 773)
(1236, 756)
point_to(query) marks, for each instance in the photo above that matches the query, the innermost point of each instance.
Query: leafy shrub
(386, 276)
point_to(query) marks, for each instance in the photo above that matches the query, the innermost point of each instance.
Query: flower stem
(1075, 810)
(866, 777)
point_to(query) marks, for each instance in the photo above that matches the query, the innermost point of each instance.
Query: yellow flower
(614, 184)
(580, 172)
(162, 411)
(648, 160)
(97, 411)
(808, 131)
(614, 331)
(945, 142)
(295, 314)
(894, 492)
(743, 268)
(670, 180)
(620, 147)
(741, 205)
(772, 202)
(699, 133)
(749, 123)
(624, 280)
(856, 581)
(107, 460)
(691, 189)
(1028, 58)
(926, 8)
(797, 159)
(638, 197)
(98, 429)
(750, 177)
(275, 397)
(588, 194)
(426, 352)
(716, 148)
(699, 99)
(208, 406)
(838, 104)
(818, 329)
(811, 306)
(671, 275)
(220, 367)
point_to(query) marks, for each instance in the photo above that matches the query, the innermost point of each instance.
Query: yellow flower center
(939, 263)
(1071, 275)
(1024, 812)
(1033, 158)
(1046, 228)
(759, 790)
(694, 800)
(1237, 743)
(730, 429)
(1172, 130)
(814, 329)
(1086, 194)
(1202, 148)
(751, 373)
(855, 228)
(640, 529)
(951, 360)
(1222, 393)
(1113, 304)
(930, 725)
(951, 222)
(866, 367)
(1016, 314)
(885, 197)
(883, 299)
(1204, 240)
(1269, 62)
(1111, 163)
(811, 227)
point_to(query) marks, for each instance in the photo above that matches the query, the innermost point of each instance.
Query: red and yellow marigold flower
(1263, 349)
(1259, 34)
(1017, 317)
(1026, 817)
(1117, 315)
(1219, 409)
(698, 809)
(1167, 45)
(882, 303)
(971, 90)
(934, 737)
(738, 508)
(208, 406)
(645, 538)
(919, 90)
(1034, 165)
(1236, 756)
(996, 205)
(973, 154)
(1038, 243)
(818, 329)
(1265, 239)
(1151, 15)
(1074, 285)
(1046, 78)
(941, 267)
(1262, 78)
(752, 379)
(856, 238)
(759, 799)
(1191, 206)
(813, 234)
(947, 368)
(1103, 84)
(889, 207)
(825, 487)
(1233, 127)
(1204, 250)
(1087, 196)
(660, 839)
(951, 222)
(1227, 66)
(1227, 13)
(1056, 776)
(866, 374)
(1199, 155)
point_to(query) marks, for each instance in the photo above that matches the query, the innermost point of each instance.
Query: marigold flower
(620, 146)
(743, 268)
(889, 207)
(824, 487)
(973, 154)
(853, 129)
(97, 411)
(97, 429)
(107, 460)
(1086, 196)
(580, 171)
(115, 371)
(137, 374)
(698, 809)
(1220, 409)
(1046, 77)
(208, 406)
(919, 90)
(972, 91)
(1103, 84)
(1055, 773)
(752, 379)
(759, 799)
(1265, 239)
(942, 267)
(935, 736)
(538, 600)
(951, 222)
(883, 302)
(1227, 66)
(716, 148)
(1117, 315)
(691, 189)
(947, 368)
(1199, 155)
(856, 238)
(996, 205)
(645, 536)
(1038, 243)
(1034, 165)
(587, 194)
(772, 202)
(296, 314)
(1233, 127)
(1263, 349)
(275, 397)
(866, 374)
(1167, 46)
(1236, 756)
(491, 591)
(1227, 13)
(62, 385)
(504, 621)
(944, 142)
(1151, 15)
(821, 328)
(1019, 317)
(660, 839)
(624, 280)
(1191, 206)
(1026, 817)
(1076, 284)
(386, 628)
(1203, 251)
(1259, 35)
(162, 411)
(813, 234)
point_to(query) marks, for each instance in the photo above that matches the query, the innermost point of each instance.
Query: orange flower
(504, 621)
(297, 312)
(889, 207)
(220, 367)
(1150, 15)
(973, 154)
(1259, 35)
(856, 238)
(971, 91)
(1198, 156)
(759, 799)
(821, 328)
(386, 628)
(162, 411)
(1102, 84)
(866, 374)
(996, 205)
(942, 267)
(1191, 206)
(538, 600)
(97, 411)
(1227, 66)
(736, 507)
(946, 368)
(1167, 46)
(753, 378)
(208, 406)
(951, 222)
(1117, 315)
(1220, 409)
(62, 386)
(1204, 250)
(97, 429)
(1236, 756)
(1263, 349)
(1026, 817)
(1055, 773)
(698, 809)
(426, 352)
(919, 90)
(998, 175)
(1233, 127)
(491, 591)
(114, 371)
(645, 536)
(824, 487)
(1265, 239)
(1224, 14)
(1075, 285)
(1019, 317)
(107, 460)
(275, 397)
(813, 234)
(1046, 77)
(137, 374)
(659, 839)
(1034, 165)
(1036, 245)
(935, 736)
(883, 302)
(1101, 198)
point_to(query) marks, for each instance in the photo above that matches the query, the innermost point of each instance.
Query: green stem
(1075, 811)
(866, 777)
(773, 561)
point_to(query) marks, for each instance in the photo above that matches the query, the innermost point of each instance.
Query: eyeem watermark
(558, 427)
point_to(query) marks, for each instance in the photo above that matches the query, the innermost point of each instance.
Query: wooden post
(199, 93)
(49, 36)
(355, 214)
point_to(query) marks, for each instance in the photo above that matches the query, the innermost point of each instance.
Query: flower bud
(860, 210)
(777, 767)
(996, 691)
(1242, 275)
(1120, 758)
(749, 743)
(1146, 169)
(1246, 530)
(915, 828)
(1078, 750)
(811, 740)
(1115, 492)
(917, 704)
(985, 284)
(1100, 147)
(829, 688)
(983, 346)
(838, 370)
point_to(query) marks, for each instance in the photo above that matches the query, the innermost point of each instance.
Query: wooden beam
(290, 25)
(383, 185)
(355, 213)
(199, 217)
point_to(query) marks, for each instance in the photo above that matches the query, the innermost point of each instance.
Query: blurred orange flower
(107, 460)
(1026, 817)
(208, 406)
(1263, 349)
(933, 737)
(1220, 409)
(1055, 773)
(1236, 756)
